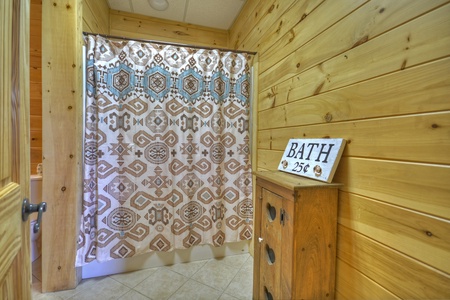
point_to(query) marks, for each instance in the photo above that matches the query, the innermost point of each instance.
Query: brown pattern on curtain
(167, 154)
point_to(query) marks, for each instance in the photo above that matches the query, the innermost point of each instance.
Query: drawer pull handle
(271, 212)
(270, 255)
(260, 239)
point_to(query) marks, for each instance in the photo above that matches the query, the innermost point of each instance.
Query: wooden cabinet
(295, 237)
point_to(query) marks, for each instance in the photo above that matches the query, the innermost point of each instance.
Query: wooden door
(270, 249)
(15, 266)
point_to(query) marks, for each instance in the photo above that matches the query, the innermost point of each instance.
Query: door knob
(28, 208)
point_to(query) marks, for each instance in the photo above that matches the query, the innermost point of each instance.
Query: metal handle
(28, 208)
(260, 239)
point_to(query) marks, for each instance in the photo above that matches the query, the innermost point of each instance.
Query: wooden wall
(62, 105)
(35, 84)
(377, 74)
(142, 27)
(96, 16)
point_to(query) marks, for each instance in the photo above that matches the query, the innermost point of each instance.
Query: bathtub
(158, 259)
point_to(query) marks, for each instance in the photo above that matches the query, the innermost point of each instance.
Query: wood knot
(382, 10)
(271, 8)
(434, 126)
(361, 41)
(328, 117)
(428, 233)
(403, 65)
(180, 33)
(298, 65)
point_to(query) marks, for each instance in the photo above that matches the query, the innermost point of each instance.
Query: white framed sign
(313, 158)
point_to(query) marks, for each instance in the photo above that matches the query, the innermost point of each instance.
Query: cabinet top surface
(291, 181)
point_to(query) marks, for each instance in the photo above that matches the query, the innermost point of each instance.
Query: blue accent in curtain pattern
(167, 155)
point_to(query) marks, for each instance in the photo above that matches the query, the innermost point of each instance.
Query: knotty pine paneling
(383, 138)
(307, 28)
(142, 27)
(265, 13)
(62, 127)
(375, 73)
(424, 88)
(404, 46)
(367, 288)
(35, 83)
(398, 273)
(415, 234)
(96, 16)
(365, 23)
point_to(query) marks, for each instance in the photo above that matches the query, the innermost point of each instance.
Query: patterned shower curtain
(166, 152)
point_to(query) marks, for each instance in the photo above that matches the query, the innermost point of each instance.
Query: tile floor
(227, 278)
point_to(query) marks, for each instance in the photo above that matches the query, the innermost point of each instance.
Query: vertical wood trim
(5, 87)
(254, 138)
(62, 109)
(23, 264)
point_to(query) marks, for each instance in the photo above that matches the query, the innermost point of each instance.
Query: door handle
(28, 208)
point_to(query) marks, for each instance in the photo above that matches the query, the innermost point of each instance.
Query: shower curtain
(166, 151)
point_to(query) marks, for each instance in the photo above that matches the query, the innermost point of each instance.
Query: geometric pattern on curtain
(166, 152)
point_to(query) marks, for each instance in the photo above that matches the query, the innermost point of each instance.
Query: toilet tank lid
(36, 177)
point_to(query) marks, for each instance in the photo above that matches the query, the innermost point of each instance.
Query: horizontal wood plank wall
(377, 74)
(141, 27)
(96, 16)
(35, 84)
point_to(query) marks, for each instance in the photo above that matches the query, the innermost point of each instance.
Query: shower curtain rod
(167, 43)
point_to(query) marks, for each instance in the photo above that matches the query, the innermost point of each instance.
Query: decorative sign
(313, 158)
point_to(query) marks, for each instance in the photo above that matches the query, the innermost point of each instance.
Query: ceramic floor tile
(37, 295)
(36, 268)
(216, 274)
(187, 269)
(194, 290)
(106, 288)
(34, 279)
(132, 279)
(248, 265)
(161, 284)
(241, 286)
(227, 297)
(85, 284)
(133, 295)
(234, 260)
